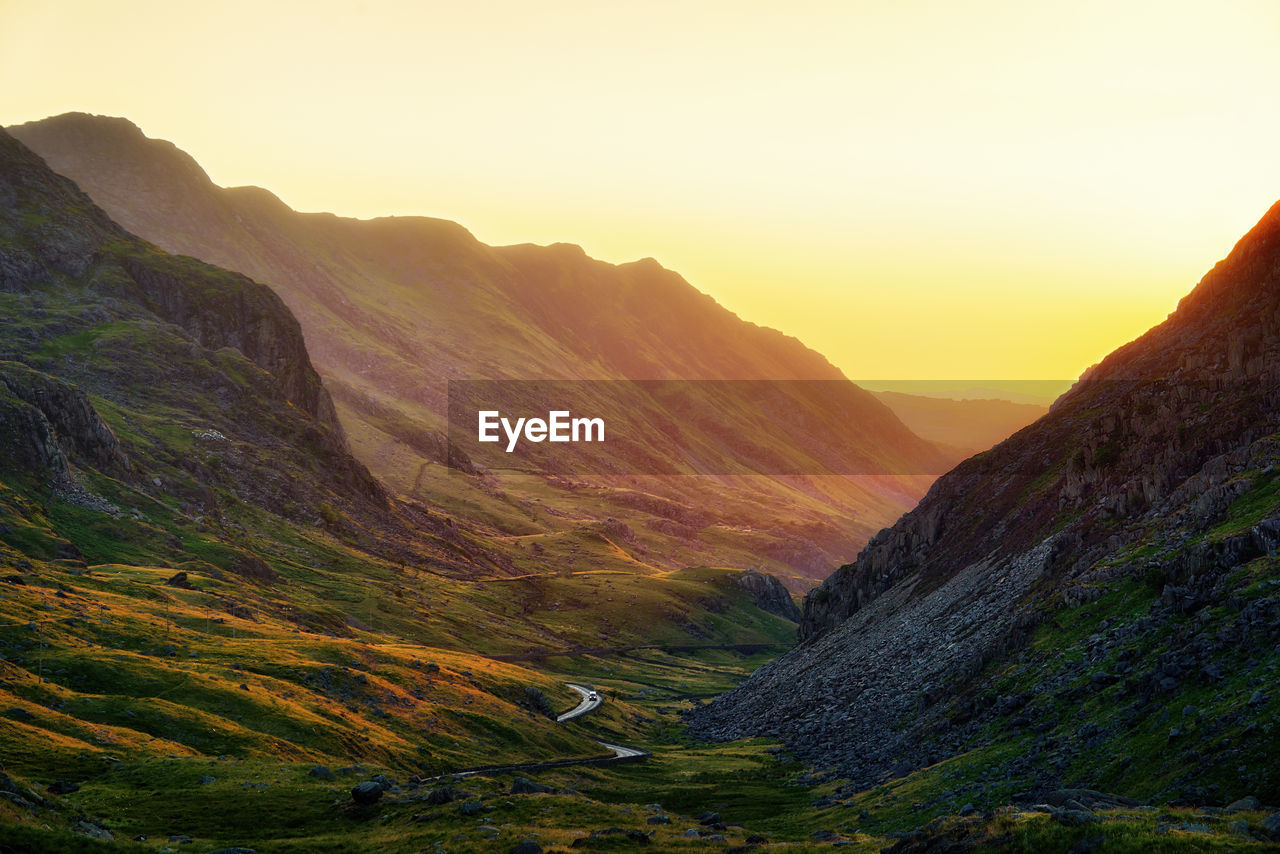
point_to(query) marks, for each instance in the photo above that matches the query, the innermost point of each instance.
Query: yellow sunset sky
(916, 189)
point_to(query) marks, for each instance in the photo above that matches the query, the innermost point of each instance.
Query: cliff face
(52, 232)
(45, 422)
(1143, 506)
(769, 593)
(241, 314)
(91, 310)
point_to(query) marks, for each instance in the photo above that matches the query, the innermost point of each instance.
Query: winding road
(621, 753)
(583, 707)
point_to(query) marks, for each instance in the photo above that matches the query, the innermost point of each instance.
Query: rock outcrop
(769, 594)
(152, 321)
(45, 422)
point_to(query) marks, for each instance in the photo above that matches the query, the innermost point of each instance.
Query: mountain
(1094, 602)
(160, 421)
(204, 595)
(173, 480)
(394, 308)
(220, 632)
(495, 313)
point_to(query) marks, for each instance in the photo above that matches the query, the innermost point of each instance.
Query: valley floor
(686, 797)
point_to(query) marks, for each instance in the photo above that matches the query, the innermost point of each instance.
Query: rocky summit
(1095, 601)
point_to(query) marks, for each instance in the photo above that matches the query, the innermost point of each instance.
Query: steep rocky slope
(1093, 601)
(213, 340)
(394, 308)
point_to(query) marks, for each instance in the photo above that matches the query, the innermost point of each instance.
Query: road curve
(587, 704)
(621, 753)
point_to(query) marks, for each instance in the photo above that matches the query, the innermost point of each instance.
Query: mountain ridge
(392, 308)
(99, 137)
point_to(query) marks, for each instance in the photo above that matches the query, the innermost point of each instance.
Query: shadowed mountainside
(1092, 602)
(72, 277)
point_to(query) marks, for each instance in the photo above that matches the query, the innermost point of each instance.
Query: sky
(991, 189)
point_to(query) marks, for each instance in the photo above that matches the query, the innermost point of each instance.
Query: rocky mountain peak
(107, 139)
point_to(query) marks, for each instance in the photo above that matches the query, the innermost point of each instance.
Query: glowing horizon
(915, 190)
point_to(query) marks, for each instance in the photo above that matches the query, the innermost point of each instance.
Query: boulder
(1246, 804)
(366, 793)
(1073, 818)
(525, 786)
(179, 579)
(439, 796)
(94, 831)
